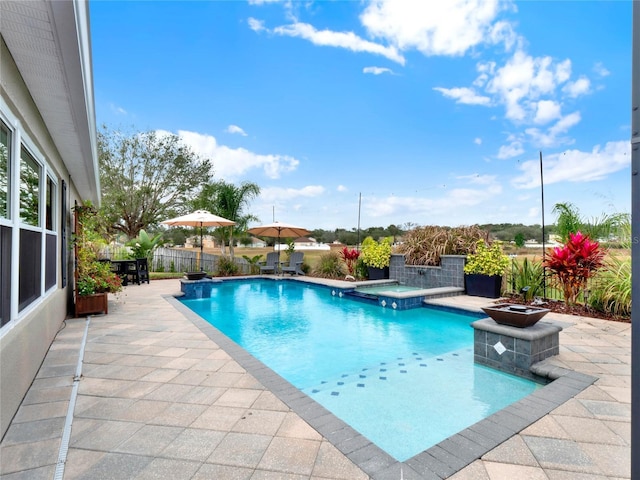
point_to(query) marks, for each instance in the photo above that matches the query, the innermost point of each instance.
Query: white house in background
(48, 162)
(308, 243)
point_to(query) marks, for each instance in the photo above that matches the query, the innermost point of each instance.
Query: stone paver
(160, 398)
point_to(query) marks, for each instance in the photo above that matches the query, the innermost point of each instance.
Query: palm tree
(229, 201)
(570, 221)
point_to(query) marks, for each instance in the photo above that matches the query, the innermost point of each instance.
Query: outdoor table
(124, 268)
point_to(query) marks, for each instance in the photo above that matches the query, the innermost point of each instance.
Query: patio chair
(142, 265)
(271, 264)
(295, 264)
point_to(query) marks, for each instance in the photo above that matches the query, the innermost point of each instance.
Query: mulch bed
(558, 306)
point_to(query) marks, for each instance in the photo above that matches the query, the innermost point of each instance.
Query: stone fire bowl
(195, 275)
(520, 316)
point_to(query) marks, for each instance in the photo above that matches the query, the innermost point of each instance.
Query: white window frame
(20, 138)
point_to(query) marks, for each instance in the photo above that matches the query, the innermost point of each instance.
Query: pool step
(362, 296)
(441, 292)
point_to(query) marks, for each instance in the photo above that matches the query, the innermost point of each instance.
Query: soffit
(49, 42)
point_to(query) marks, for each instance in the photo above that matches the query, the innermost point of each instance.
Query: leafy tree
(146, 177)
(519, 239)
(229, 201)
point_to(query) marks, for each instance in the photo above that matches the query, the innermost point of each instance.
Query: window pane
(5, 148)
(50, 261)
(5, 274)
(51, 195)
(29, 188)
(30, 263)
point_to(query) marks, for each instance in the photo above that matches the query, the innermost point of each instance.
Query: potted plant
(376, 256)
(484, 270)
(93, 278)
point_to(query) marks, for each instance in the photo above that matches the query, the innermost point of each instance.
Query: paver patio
(159, 399)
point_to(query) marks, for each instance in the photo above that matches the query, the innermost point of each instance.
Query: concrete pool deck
(158, 398)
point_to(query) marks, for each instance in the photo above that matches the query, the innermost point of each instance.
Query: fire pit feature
(520, 316)
(195, 275)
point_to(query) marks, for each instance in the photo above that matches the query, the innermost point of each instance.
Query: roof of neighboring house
(304, 240)
(51, 46)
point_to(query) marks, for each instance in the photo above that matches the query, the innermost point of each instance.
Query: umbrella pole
(278, 251)
(201, 249)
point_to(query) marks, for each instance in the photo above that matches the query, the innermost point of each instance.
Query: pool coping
(437, 462)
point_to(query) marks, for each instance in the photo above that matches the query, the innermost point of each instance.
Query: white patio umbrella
(199, 218)
(278, 230)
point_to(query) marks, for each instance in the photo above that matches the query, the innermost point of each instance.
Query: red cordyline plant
(350, 257)
(574, 263)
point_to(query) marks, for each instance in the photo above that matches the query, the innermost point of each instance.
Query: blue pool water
(404, 379)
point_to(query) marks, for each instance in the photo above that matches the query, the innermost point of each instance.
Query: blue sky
(434, 112)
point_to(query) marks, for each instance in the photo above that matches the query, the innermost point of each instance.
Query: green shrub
(227, 267)
(528, 274)
(305, 267)
(254, 267)
(376, 254)
(330, 265)
(361, 270)
(487, 260)
(612, 291)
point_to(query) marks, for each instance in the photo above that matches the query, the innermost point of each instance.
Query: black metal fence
(177, 260)
(549, 290)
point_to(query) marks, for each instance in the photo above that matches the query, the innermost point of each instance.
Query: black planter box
(483, 285)
(378, 273)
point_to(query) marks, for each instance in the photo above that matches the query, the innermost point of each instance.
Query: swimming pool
(404, 379)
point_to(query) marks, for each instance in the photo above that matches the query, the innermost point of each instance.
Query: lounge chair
(295, 264)
(271, 264)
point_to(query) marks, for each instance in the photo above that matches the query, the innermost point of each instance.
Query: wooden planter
(483, 285)
(91, 304)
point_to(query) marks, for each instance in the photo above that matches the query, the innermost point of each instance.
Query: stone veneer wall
(511, 349)
(450, 273)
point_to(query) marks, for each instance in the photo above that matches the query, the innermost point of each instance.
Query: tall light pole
(635, 241)
(544, 247)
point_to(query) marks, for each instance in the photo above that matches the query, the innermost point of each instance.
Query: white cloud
(546, 111)
(420, 207)
(577, 88)
(524, 77)
(502, 32)
(342, 188)
(552, 137)
(513, 149)
(255, 24)
(376, 70)
(232, 163)
(277, 194)
(464, 95)
(262, 2)
(236, 129)
(477, 141)
(348, 40)
(601, 70)
(449, 27)
(118, 110)
(576, 165)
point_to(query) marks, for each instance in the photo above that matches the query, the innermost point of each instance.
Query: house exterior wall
(28, 328)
